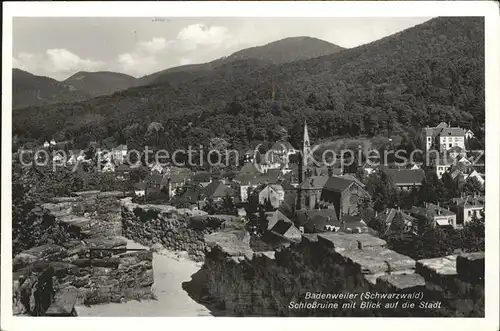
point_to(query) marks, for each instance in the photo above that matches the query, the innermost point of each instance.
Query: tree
(382, 190)
(472, 186)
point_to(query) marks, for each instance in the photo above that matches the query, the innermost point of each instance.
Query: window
(469, 213)
(449, 145)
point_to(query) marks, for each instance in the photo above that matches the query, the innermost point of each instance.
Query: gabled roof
(156, 179)
(453, 132)
(430, 211)
(469, 202)
(314, 183)
(326, 216)
(338, 184)
(406, 176)
(217, 189)
(248, 168)
(273, 217)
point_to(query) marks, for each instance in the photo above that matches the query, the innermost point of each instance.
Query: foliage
(424, 75)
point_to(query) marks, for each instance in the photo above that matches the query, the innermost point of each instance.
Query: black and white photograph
(218, 164)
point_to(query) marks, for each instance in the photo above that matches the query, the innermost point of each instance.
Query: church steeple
(306, 143)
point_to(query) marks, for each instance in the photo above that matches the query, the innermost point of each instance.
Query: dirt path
(169, 274)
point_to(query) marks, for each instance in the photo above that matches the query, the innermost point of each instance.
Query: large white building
(443, 137)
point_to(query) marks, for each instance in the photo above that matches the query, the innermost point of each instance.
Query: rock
(156, 248)
(22, 260)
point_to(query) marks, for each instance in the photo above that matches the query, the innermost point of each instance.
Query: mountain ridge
(430, 73)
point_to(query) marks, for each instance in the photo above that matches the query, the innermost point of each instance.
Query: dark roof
(455, 132)
(430, 211)
(469, 202)
(314, 183)
(406, 176)
(306, 216)
(156, 179)
(281, 227)
(249, 168)
(217, 189)
(390, 214)
(140, 186)
(338, 184)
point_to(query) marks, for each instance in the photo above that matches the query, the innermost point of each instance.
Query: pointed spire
(306, 134)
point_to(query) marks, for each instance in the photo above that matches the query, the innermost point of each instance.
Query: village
(303, 197)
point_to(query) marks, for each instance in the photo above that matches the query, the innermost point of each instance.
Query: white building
(443, 137)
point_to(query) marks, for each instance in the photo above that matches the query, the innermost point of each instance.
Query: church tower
(306, 147)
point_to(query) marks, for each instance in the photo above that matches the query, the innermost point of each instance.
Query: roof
(156, 179)
(307, 216)
(454, 132)
(430, 211)
(469, 202)
(338, 184)
(273, 217)
(406, 176)
(314, 183)
(388, 215)
(140, 186)
(217, 189)
(281, 227)
(457, 149)
(249, 168)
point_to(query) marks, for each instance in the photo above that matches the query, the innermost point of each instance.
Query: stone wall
(93, 220)
(248, 283)
(175, 229)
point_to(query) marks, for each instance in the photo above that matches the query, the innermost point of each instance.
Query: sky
(58, 47)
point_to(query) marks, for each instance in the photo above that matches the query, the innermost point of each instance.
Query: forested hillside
(29, 89)
(421, 76)
(101, 82)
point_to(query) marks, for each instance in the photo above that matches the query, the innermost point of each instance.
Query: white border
(488, 9)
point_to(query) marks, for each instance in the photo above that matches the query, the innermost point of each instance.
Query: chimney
(376, 213)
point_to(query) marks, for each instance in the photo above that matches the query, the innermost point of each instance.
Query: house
(350, 224)
(466, 171)
(405, 179)
(278, 156)
(251, 156)
(155, 184)
(464, 160)
(457, 152)
(443, 137)
(108, 167)
(119, 154)
(443, 164)
(467, 207)
(46, 144)
(217, 190)
(122, 170)
(434, 215)
(156, 168)
(57, 158)
(286, 230)
(469, 134)
(273, 193)
(344, 194)
(272, 217)
(140, 189)
(53, 142)
(249, 182)
(310, 192)
(392, 218)
(316, 220)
